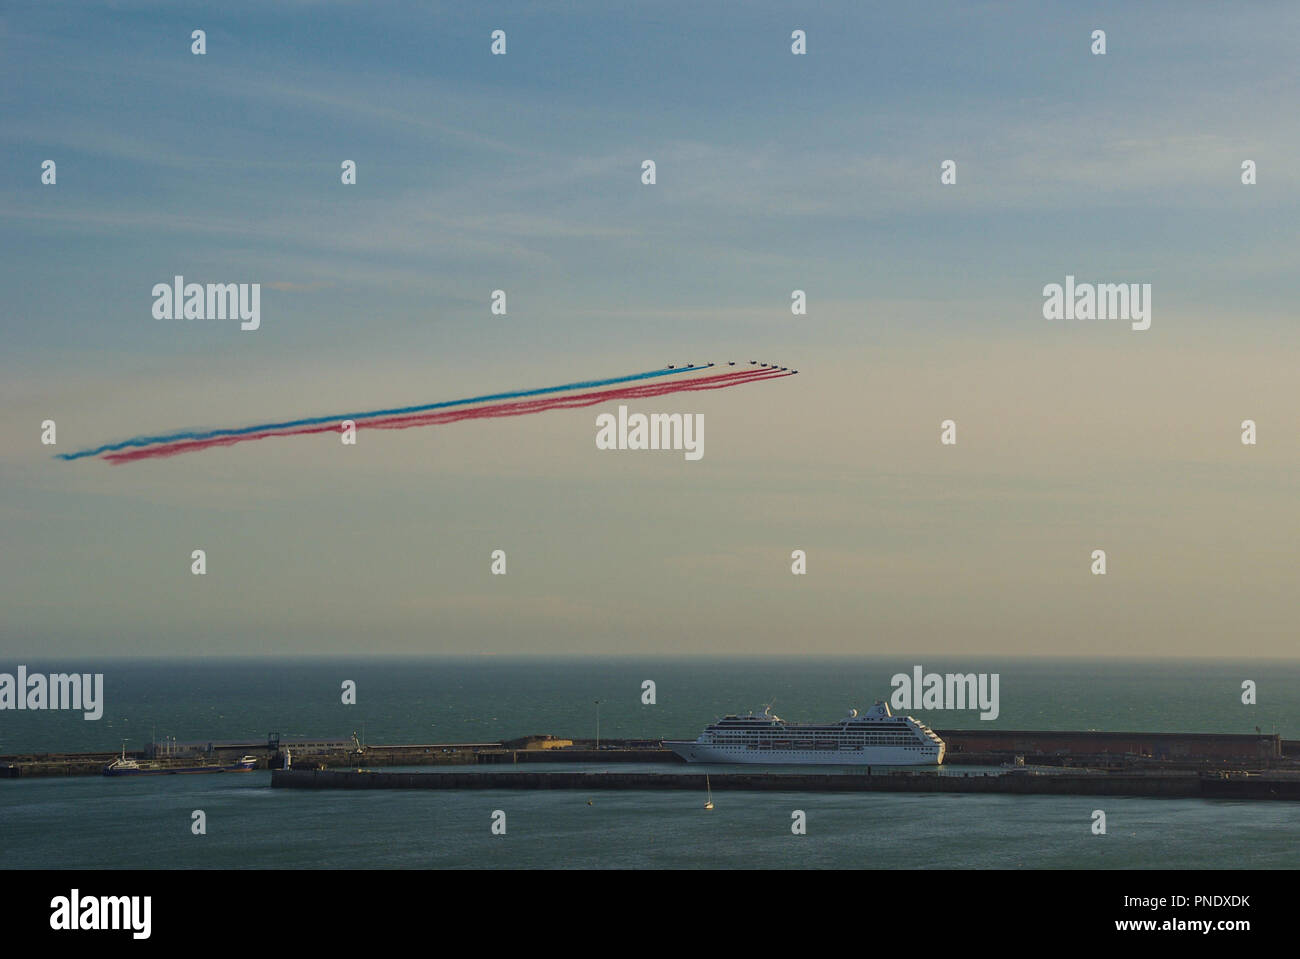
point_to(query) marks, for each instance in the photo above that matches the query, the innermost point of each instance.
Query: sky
(774, 172)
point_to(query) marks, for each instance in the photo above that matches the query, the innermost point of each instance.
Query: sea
(108, 823)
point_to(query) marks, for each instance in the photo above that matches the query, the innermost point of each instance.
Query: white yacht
(876, 738)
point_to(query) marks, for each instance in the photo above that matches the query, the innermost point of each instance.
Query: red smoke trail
(517, 408)
(568, 402)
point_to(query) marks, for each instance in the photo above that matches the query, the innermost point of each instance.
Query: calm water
(100, 823)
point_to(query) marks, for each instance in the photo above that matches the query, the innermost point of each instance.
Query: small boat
(709, 787)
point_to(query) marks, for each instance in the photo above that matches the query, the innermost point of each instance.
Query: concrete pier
(1182, 785)
(1137, 753)
(576, 755)
(57, 764)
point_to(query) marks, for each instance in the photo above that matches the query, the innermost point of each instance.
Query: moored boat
(122, 766)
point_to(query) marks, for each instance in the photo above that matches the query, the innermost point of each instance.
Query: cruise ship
(876, 738)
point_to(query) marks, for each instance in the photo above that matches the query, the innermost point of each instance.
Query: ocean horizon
(406, 699)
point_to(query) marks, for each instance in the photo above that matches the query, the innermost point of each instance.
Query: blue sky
(775, 172)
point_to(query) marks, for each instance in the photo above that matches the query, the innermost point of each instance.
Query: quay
(1113, 751)
(1165, 785)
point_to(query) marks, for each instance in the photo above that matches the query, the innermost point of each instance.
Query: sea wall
(1157, 785)
(1113, 745)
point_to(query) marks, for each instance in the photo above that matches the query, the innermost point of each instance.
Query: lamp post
(598, 725)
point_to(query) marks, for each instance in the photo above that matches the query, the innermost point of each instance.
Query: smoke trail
(309, 421)
(435, 413)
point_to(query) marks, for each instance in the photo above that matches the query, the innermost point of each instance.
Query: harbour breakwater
(1118, 752)
(1168, 785)
(57, 764)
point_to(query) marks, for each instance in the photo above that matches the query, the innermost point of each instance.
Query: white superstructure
(876, 738)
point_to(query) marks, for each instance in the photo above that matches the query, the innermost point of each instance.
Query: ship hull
(697, 752)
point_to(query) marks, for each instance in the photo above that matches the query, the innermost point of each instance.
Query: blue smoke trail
(396, 411)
